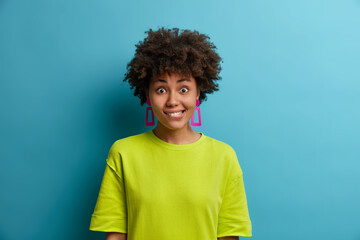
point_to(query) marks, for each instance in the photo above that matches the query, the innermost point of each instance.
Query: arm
(228, 238)
(116, 236)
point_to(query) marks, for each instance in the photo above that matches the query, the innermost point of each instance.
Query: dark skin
(116, 236)
(173, 93)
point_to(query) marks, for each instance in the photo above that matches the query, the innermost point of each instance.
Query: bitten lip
(174, 111)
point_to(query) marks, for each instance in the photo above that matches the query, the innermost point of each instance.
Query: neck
(184, 135)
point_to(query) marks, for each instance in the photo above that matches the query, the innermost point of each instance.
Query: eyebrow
(180, 80)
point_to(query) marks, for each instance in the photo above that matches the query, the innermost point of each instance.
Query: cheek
(156, 102)
(157, 107)
(191, 103)
(190, 107)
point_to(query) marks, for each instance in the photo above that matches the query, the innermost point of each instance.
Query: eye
(159, 89)
(184, 88)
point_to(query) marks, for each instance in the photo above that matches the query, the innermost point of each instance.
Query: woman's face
(169, 94)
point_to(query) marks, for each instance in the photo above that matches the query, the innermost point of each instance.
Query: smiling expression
(173, 99)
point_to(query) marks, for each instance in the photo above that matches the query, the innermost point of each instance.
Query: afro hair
(170, 50)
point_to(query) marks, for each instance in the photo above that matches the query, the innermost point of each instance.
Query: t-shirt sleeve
(110, 213)
(234, 217)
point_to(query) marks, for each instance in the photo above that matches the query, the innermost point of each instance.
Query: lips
(175, 116)
(174, 111)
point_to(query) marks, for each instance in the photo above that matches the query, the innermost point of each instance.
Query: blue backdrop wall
(288, 104)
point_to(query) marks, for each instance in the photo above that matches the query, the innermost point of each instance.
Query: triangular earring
(152, 123)
(199, 115)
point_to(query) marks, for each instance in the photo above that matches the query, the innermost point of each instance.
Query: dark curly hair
(166, 50)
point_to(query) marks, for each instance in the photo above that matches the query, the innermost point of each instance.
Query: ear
(198, 94)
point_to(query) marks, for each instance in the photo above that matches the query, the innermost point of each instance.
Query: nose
(172, 99)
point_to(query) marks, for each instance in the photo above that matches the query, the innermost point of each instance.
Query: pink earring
(192, 118)
(152, 123)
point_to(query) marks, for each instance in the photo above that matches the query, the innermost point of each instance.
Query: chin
(175, 126)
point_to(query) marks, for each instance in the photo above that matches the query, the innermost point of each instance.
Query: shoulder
(128, 143)
(121, 148)
(222, 146)
(227, 156)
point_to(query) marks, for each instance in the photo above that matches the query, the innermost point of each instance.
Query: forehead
(174, 77)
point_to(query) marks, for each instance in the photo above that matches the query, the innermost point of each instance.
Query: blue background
(288, 104)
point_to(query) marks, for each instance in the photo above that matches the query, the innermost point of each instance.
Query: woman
(172, 182)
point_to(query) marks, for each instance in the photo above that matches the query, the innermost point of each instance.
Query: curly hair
(166, 50)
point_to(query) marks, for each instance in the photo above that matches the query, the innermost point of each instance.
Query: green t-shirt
(155, 190)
